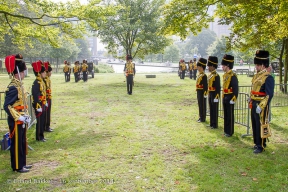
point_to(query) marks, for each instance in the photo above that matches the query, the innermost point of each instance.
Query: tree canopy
(135, 28)
(49, 22)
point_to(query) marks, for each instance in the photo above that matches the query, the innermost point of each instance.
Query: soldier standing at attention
(39, 99)
(261, 95)
(76, 71)
(214, 88)
(69, 71)
(47, 81)
(194, 68)
(15, 105)
(201, 88)
(230, 94)
(182, 69)
(85, 70)
(129, 72)
(66, 71)
(190, 68)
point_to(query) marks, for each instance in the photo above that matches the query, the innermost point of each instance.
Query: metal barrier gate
(242, 111)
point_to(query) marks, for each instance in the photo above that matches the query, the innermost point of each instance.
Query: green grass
(106, 140)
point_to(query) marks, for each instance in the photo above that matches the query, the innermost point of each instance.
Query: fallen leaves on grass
(244, 174)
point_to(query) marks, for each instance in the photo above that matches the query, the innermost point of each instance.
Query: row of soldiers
(77, 70)
(16, 107)
(262, 90)
(191, 68)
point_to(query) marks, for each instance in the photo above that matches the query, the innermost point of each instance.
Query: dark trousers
(18, 147)
(40, 125)
(213, 110)
(67, 76)
(228, 115)
(48, 115)
(85, 76)
(76, 76)
(201, 105)
(256, 125)
(182, 75)
(190, 73)
(129, 80)
(194, 73)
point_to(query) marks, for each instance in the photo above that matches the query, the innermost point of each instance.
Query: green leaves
(135, 28)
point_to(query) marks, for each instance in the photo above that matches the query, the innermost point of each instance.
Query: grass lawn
(106, 140)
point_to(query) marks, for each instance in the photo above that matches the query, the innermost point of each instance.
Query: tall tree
(135, 28)
(254, 24)
(259, 25)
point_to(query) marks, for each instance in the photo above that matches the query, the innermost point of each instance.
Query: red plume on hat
(37, 66)
(46, 65)
(10, 63)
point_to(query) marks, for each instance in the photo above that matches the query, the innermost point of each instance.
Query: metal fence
(3, 114)
(242, 110)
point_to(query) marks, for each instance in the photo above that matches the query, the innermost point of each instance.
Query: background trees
(135, 29)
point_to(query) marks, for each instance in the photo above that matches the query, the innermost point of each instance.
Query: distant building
(214, 26)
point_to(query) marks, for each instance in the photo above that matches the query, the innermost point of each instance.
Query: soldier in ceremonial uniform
(190, 68)
(194, 68)
(47, 81)
(66, 70)
(182, 68)
(39, 101)
(15, 105)
(85, 70)
(230, 94)
(129, 72)
(261, 95)
(69, 71)
(76, 70)
(201, 88)
(214, 88)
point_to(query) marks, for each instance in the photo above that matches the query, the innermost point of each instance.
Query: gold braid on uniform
(42, 90)
(20, 102)
(183, 66)
(66, 68)
(199, 79)
(190, 66)
(226, 82)
(129, 68)
(84, 67)
(48, 87)
(211, 79)
(257, 82)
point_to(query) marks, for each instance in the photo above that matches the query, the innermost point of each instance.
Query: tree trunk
(285, 66)
(281, 61)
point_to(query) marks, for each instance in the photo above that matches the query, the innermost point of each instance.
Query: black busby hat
(47, 66)
(202, 62)
(213, 61)
(228, 60)
(19, 63)
(262, 58)
(14, 64)
(128, 57)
